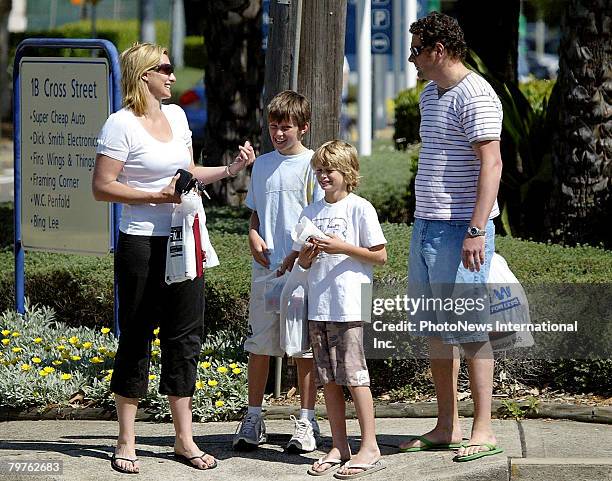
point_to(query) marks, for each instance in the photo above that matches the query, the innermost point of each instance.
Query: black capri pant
(146, 301)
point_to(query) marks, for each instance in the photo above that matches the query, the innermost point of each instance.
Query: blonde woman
(139, 150)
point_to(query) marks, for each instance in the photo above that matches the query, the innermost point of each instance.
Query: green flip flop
(492, 450)
(427, 445)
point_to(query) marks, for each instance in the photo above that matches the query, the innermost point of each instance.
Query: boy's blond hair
(135, 62)
(341, 156)
(291, 106)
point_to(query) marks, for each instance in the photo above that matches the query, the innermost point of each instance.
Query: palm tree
(582, 143)
(234, 80)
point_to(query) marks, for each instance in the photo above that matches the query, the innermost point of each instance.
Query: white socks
(254, 410)
(307, 414)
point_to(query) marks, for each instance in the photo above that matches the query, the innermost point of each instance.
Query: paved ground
(534, 450)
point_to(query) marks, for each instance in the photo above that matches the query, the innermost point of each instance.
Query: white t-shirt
(447, 176)
(339, 286)
(280, 187)
(149, 165)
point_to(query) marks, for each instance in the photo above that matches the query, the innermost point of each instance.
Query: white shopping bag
(508, 305)
(181, 250)
(273, 291)
(294, 312)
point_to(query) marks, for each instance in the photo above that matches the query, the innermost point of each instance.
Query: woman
(139, 150)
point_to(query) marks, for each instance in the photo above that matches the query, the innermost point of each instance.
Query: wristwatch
(474, 231)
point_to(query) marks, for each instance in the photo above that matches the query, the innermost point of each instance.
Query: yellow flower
(222, 369)
(75, 358)
(156, 331)
(212, 383)
(17, 349)
(218, 394)
(233, 365)
(237, 370)
(26, 367)
(15, 334)
(73, 340)
(157, 342)
(5, 341)
(205, 364)
(43, 373)
(152, 376)
(109, 371)
(86, 345)
(199, 384)
(37, 340)
(111, 354)
(219, 403)
(105, 330)
(108, 376)
(57, 362)
(155, 353)
(102, 350)
(96, 360)
(48, 369)
(36, 360)
(6, 332)
(60, 348)
(66, 376)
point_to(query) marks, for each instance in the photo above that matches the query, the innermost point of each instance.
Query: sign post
(59, 106)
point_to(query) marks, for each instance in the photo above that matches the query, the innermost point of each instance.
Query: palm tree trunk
(234, 81)
(582, 144)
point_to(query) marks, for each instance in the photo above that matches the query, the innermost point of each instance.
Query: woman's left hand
(245, 157)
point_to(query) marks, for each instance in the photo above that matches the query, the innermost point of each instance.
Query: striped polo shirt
(448, 168)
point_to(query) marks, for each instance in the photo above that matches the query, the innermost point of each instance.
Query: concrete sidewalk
(534, 450)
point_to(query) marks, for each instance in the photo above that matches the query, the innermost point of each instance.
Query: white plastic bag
(508, 304)
(273, 291)
(294, 312)
(181, 249)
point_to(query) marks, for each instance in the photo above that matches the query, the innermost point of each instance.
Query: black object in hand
(185, 182)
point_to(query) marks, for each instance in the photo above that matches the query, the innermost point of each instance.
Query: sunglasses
(416, 51)
(164, 68)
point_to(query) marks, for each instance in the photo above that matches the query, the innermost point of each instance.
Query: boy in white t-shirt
(282, 184)
(339, 271)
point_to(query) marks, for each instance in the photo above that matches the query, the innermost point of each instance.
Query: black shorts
(146, 302)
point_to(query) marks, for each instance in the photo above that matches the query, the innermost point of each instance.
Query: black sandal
(186, 460)
(118, 468)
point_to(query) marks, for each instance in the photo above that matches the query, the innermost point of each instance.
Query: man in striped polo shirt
(456, 187)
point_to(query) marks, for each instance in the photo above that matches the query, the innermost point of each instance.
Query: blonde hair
(135, 61)
(289, 105)
(341, 156)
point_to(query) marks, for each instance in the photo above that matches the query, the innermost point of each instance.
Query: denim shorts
(436, 273)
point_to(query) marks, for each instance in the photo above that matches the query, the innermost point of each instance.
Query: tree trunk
(234, 80)
(5, 91)
(582, 144)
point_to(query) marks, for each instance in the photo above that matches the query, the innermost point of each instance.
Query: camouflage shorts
(338, 353)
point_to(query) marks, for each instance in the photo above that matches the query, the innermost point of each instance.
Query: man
(456, 188)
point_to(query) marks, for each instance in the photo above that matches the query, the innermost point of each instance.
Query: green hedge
(122, 33)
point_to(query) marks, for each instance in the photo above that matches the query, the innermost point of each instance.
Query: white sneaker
(305, 437)
(251, 432)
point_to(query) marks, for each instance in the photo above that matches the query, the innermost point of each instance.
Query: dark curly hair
(437, 27)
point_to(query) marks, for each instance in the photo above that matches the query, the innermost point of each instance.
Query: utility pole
(146, 14)
(364, 69)
(281, 56)
(321, 63)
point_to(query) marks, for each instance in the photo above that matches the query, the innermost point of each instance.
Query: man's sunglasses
(165, 68)
(416, 51)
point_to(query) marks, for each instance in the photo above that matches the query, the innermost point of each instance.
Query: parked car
(193, 102)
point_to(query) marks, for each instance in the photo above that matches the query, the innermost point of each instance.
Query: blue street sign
(382, 27)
